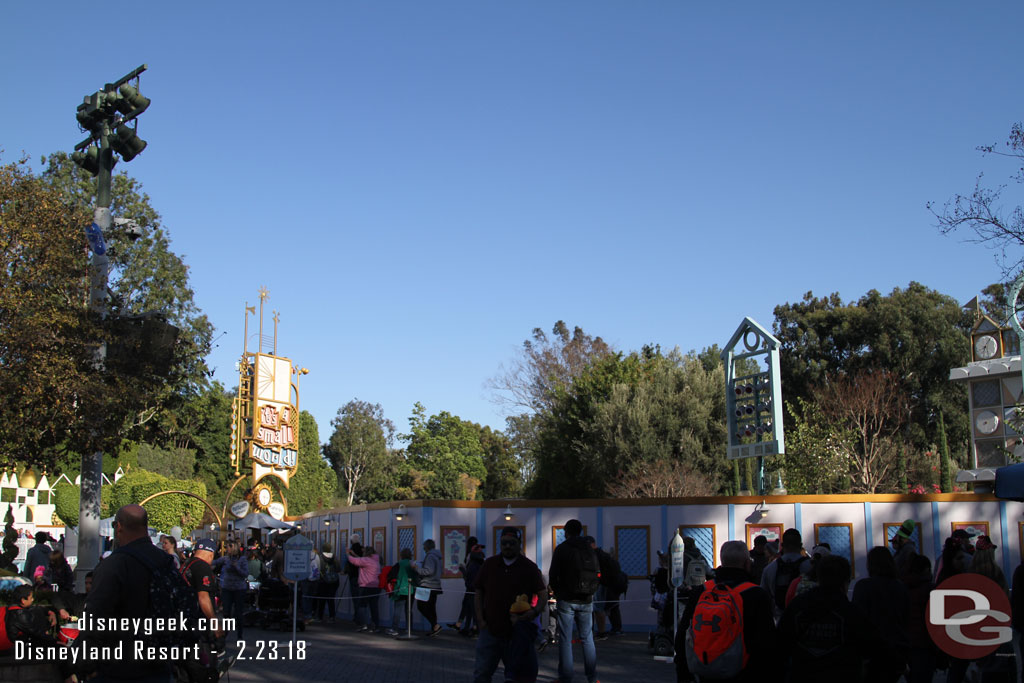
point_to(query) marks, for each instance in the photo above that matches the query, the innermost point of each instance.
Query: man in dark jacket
(572, 605)
(121, 590)
(758, 620)
(822, 631)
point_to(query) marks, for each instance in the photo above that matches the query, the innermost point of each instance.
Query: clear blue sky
(420, 184)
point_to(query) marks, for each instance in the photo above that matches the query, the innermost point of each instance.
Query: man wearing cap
(199, 574)
(904, 547)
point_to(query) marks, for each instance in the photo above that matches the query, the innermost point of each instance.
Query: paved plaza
(335, 652)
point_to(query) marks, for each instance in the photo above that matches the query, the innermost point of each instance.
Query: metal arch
(220, 522)
(1011, 306)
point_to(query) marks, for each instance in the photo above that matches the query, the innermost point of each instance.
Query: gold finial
(276, 318)
(264, 295)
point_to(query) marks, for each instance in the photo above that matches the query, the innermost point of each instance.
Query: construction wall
(637, 529)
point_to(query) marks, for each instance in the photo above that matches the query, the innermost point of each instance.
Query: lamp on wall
(760, 512)
(508, 514)
(401, 513)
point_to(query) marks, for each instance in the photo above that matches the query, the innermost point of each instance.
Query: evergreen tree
(945, 475)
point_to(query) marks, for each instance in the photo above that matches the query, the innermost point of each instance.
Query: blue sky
(420, 184)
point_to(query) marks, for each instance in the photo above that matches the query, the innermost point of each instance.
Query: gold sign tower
(265, 425)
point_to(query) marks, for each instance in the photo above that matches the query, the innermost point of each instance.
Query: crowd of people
(797, 618)
(800, 622)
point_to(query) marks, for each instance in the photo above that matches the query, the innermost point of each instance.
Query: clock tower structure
(994, 391)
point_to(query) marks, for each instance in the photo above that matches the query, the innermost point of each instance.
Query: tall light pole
(105, 116)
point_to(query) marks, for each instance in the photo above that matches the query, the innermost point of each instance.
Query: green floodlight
(91, 114)
(88, 159)
(126, 142)
(130, 102)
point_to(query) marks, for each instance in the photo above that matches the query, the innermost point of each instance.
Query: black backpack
(582, 571)
(784, 575)
(329, 570)
(170, 595)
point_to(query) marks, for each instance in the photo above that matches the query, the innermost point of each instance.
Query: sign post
(296, 568)
(677, 577)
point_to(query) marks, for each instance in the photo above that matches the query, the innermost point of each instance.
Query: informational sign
(453, 549)
(240, 509)
(276, 510)
(678, 560)
(297, 551)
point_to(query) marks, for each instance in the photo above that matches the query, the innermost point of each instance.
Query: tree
(173, 463)
(203, 423)
(632, 411)
(447, 450)
(529, 385)
(314, 484)
(916, 334)
(981, 211)
(816, 458)
(164, 511)
(869, 410)
(945, 471)
(55, 401)
(503, 476)
(662, 479)
(360, 441)
(145, 274)
(546, 365)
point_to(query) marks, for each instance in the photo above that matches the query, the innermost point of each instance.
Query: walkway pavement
(335, 652)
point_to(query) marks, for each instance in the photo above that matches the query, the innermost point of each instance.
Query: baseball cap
(962, 534)
(206, 544)
(907, 528)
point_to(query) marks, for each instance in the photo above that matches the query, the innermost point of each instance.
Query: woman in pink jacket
(368, 590)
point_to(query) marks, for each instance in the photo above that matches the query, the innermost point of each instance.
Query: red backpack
(5, 640)
(714, 640)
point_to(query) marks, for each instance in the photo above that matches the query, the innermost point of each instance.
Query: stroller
(660, 640)
(273, 604)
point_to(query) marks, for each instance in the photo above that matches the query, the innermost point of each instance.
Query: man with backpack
(823, 633)
(728, 632)
(136, 581)
(780, 573)
(574, 576)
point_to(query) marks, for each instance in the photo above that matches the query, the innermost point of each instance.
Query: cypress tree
(945, 475)
(901, 467)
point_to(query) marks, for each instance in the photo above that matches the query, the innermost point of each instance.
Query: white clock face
(986, 422)
(985, 347)
(264, 497)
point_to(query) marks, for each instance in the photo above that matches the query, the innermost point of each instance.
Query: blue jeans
(518, 654)
(582, 614)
